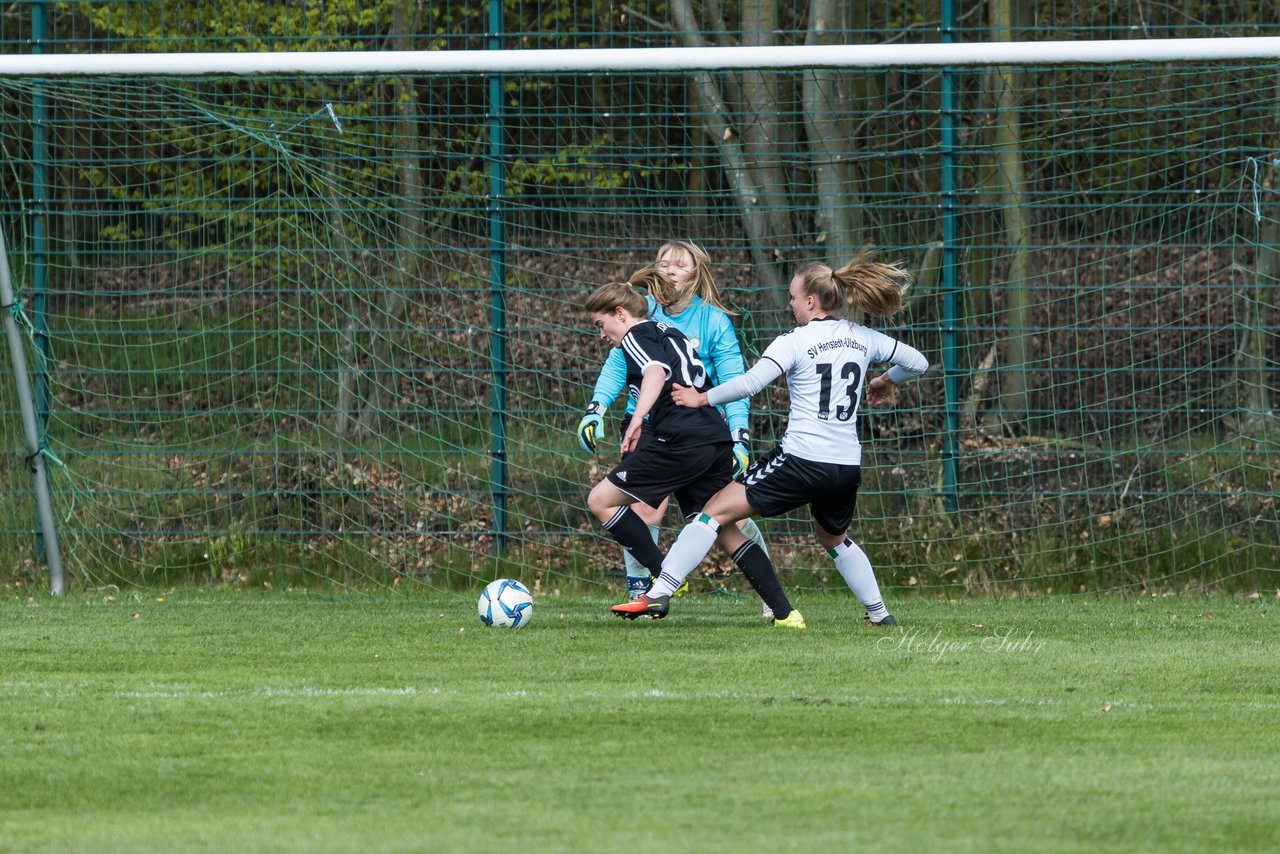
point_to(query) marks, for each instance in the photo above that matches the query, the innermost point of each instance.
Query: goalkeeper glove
(741, 458)
(591, 427)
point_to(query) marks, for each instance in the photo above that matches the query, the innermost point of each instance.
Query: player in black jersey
(690, 452)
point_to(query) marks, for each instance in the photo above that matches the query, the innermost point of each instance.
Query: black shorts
(778, 482)
(646, 436)
(692, 473)
(646, 433)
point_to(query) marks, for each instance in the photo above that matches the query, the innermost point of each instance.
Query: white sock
(856, 571)
(635, 569)
(695, 540)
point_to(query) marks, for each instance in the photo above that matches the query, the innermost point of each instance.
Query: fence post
(497, 286)
(39, 213)
(950, 272)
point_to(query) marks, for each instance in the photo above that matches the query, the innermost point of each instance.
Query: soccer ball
(506, 604)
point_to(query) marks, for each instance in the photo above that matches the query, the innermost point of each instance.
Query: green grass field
(218, 720)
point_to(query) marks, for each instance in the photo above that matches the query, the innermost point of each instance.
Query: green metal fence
(305, 330)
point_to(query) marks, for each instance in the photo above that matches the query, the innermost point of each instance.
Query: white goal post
(647, 59)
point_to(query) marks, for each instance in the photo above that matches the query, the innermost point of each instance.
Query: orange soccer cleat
(655, 608)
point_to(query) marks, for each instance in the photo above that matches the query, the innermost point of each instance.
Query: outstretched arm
(752, 382)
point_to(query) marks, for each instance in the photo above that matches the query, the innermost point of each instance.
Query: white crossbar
(642, 59)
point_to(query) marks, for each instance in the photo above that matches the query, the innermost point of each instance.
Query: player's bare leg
(716, 524)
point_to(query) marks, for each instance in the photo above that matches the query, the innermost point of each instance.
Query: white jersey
(825, 362)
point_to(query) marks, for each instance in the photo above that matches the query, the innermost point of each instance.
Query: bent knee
(598, 502)
(727, 509)
(827, 539)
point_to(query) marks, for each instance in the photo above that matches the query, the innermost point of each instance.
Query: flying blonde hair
(606, 298)
(863, 286)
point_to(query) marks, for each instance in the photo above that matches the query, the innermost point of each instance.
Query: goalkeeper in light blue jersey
(704, 319)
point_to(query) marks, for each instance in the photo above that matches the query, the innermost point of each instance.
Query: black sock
(758, 570)
(633, 534)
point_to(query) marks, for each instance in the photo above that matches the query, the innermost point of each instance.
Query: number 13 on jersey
(850, 375)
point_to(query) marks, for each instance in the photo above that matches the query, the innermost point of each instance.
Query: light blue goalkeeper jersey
(711, 333)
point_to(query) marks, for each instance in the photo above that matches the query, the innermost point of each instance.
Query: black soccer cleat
(885, 623)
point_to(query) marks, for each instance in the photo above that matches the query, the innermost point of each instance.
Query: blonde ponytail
(872, 287)
(863, 286)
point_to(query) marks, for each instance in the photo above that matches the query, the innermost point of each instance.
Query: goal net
(302, 330)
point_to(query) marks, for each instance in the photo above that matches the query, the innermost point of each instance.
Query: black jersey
(649, 343)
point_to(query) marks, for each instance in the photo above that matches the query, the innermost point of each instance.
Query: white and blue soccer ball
(505, 604)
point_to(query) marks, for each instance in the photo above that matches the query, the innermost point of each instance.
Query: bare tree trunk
(1261, 297)
(829, 145)
(348, 373)
(1251, 358)
(348, 370)
(717, 121)
(925, 278)
(1017, 229)
(409, 221)
(762, 128)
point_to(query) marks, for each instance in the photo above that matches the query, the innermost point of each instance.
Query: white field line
(19, 689)
(178, 692)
